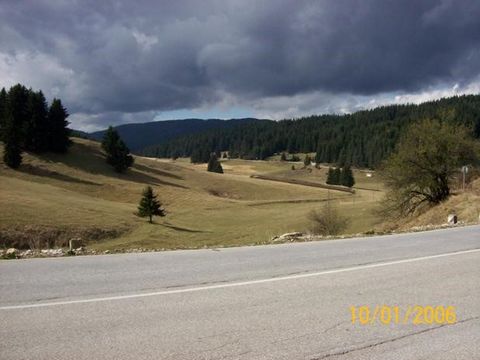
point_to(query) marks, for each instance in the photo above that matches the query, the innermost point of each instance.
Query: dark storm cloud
(142, 56)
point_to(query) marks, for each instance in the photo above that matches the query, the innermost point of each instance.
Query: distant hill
(140, 136)
(364, 138)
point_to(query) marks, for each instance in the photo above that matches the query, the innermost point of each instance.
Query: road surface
(288, 301)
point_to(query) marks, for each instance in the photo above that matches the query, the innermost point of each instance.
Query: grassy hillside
(77, 194)
(465, 204)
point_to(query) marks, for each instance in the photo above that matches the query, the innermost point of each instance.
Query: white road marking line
(235, 284)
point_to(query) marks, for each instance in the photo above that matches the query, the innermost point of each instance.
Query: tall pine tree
(331, 177)
(110, 140)
(15, 116)
(347, 177)
(12, 152)
(58, 135)
(37, 125)
(149, 205)
(118, 154)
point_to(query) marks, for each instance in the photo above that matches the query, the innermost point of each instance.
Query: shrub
(327, 221)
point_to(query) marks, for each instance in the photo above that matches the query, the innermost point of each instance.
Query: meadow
(78, 194)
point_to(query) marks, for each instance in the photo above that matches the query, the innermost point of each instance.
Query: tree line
(363, 139)
(28, 123)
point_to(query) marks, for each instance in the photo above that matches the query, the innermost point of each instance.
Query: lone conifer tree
(58, 140)
(118, 154)
(214, 165)
(149, 205)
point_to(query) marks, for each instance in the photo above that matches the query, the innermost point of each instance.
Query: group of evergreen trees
(27, 123)
(118, 154)
(341, 176)
(363, 139)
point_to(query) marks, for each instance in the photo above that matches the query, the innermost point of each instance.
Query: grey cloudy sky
(123, 61)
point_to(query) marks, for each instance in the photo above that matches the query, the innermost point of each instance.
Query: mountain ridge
(142, 135)
(364, 138)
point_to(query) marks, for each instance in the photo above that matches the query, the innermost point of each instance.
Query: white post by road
(464, 172)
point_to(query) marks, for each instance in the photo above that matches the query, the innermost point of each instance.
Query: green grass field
(78, 191)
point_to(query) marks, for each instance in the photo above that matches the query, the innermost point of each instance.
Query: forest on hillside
(139, 136)
(363, 139)
(29, 123)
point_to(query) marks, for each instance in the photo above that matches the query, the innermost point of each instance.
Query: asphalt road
(287, 301)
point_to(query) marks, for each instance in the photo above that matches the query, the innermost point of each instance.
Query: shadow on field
(140, 177)
(92, 160)
(178, 228)
(82, 157)
(39, 171)
(156, 171)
